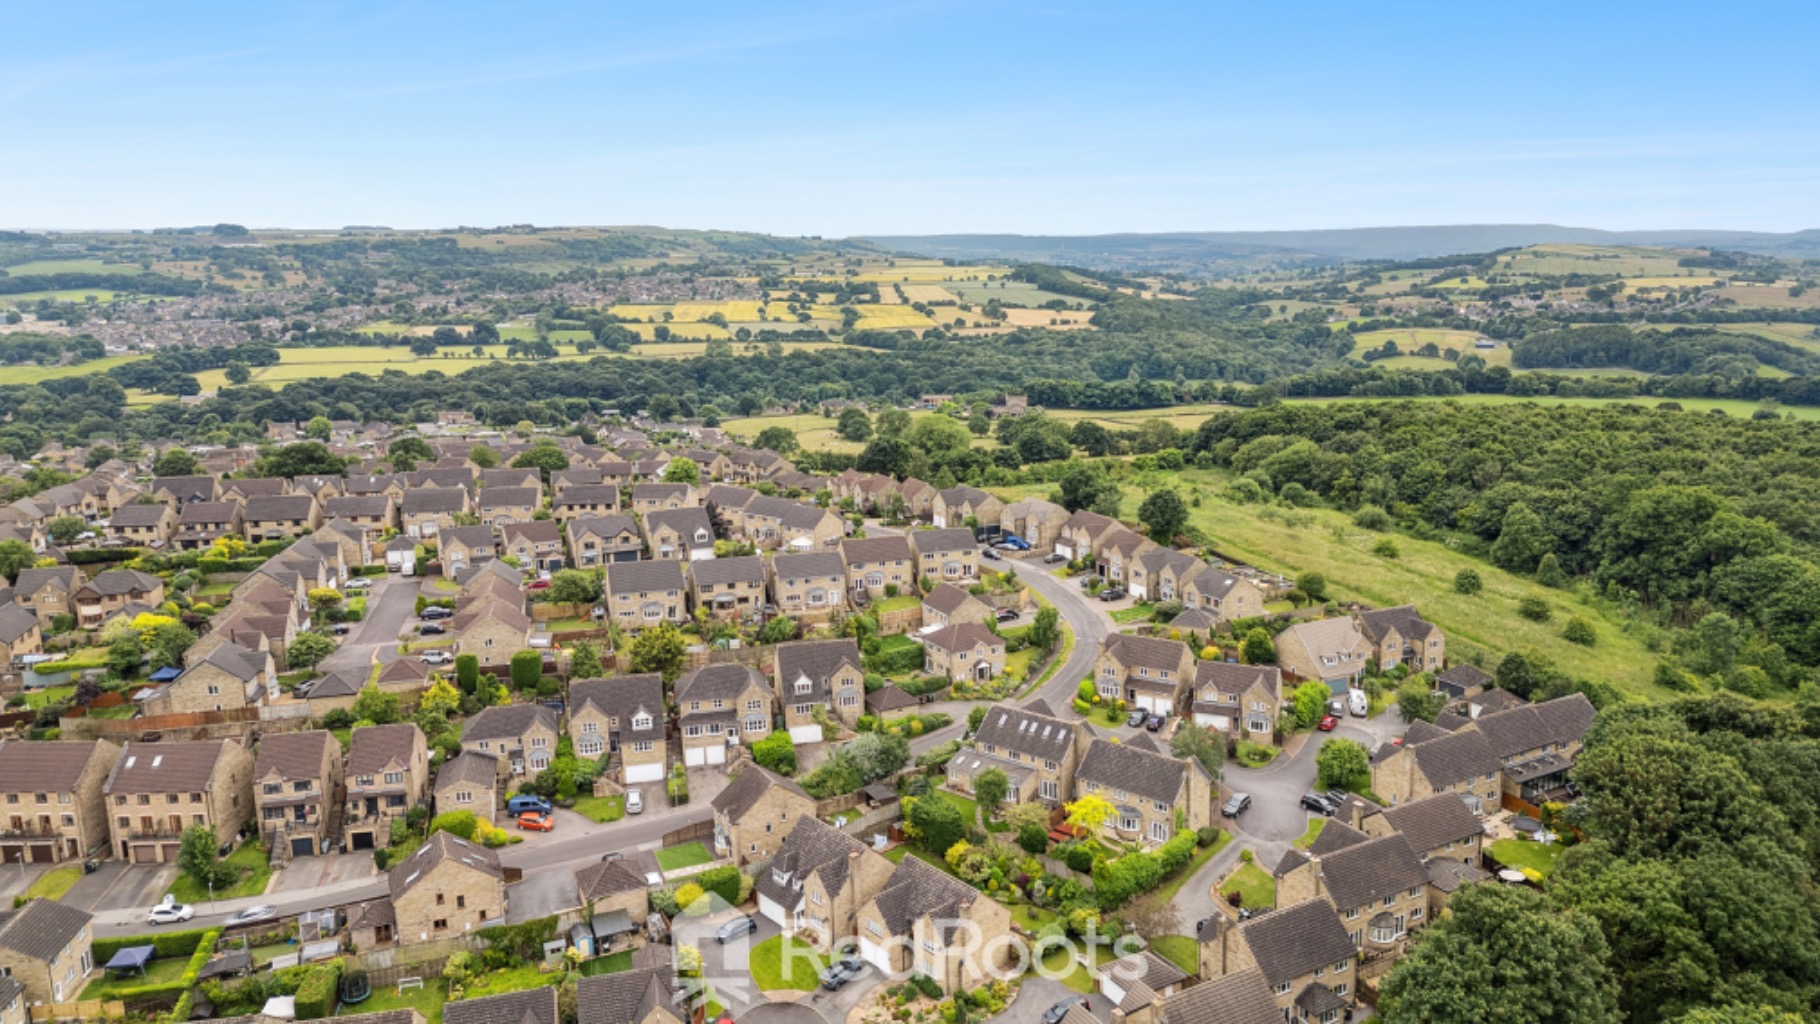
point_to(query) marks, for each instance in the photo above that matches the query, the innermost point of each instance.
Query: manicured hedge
(199, 957)
(722, 881)
(316, 996)
(164, 944)
(90, 556)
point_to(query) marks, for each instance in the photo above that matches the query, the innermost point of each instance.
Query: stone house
(111, 591)
(685, 534)
(202, 523)
(641, 595)
(464, 547)
(1332, 651)
(526, 1006)
(1438, 828)
(1081, 536)
(946, 555)
(578, 475)
(156, 790)
(1243, 997)
(1137, 985)
(537, 544)
(469, 781)
(147, 526)
(511, 476)
(391, 485)
(1148, 789)
(663, 497)
(808, 587)
(377, 512)
(388, 772)
(449, 887)
(424, 512)
(818, 882)
(1241, 701)
(622, 718)
(186, 490)
(779, 524)
(585, 500)
(1401, 636)
(642, 995)
(878, 566)
(754, 813)
(296, 779)
(1162, 574)
(964, 650)
(1227, 596)
(1461, 682)
(46, 946)
(819, 674)
(1037, 751)
(1308, 961)
(492, 628)
(719, 706)
(597, 540)
(279, 516)
(1037, 522)
(522, 736)
(948, 604)
(954, 506)
(49, 592)
(1536, 745)
(729, 588)
(229, 676)
(1151, 673)
(604, 887)
(1435, 762)
(12, 1001)
(498, 506)
(20, 634)
(54, 810)
(726, 505)
(908, 927)
(1119, 556)
(246, 489)
(1378, 885)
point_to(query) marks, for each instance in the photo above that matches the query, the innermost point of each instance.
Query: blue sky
(899, 116)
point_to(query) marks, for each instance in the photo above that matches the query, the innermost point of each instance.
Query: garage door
(170, 853)
(695, 757)
(644, 773)
(1220, 722)
(11, 854)
(774, 911)
(145, 853)
(43, 853)
(305, 847)
(1153, 702)
(805, 734)
(875, 954)
(717, 754)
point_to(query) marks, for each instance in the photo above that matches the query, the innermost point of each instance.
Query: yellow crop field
(886, 318)
(924, 273)
(928, 293)
(1061, 320)
(1689, 281)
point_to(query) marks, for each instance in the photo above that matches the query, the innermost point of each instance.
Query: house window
(441, 924)
(642, 747)
(394, 778)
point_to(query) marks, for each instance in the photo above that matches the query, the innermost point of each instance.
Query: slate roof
(606, 527)
(962, 636)
(120, 582)
(963, 495)
(1227, 677)
(1455, 757)
(357, 506)
(1421, 732)
(916, 889)
(711, 682)
(237, 661)
(434, 500)
(1151, 776)
(15, 621)
(644, 577)
(40, 929)
(889, 697)
(811, 565)
(748, 786)
(868, 550)
(1495, 700)
(1293, 941)
(576, 495)
(950, 539)
(537, 531)
(1433, 823)
(1369, 871)
(623, 697)
(947, 598)
(294, 755)
(1025, 731)
(1198, 620)
(659, 491)
(626, 997)
(441, 846)
(528, 1006)
(1243, 997)
(1459, 680)
(372, 747)
(1334, 837)
(507, 476)
(1405, 619)
(817, 659)
(507, 721)
(29, 581)
(1147, 652)
(27, 767)
(1317, 999)
(1145, 967)
(138, 515)
(509, 497)
(1448, 874)
(813, 847)
(601, 880)
(471, 767)
(717, 572)
(165, 767)
(279, 506)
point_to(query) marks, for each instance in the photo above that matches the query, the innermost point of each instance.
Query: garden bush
(722, 881)
(1078, 857)
(316, 996)
(1207, 836)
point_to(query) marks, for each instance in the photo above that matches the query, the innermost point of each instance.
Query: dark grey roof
(1450, 721)
(812, 565)
(817, 659)
(889, 697)
(623, 697)
(10, 989)
(1433, 823)
(947, 598)
(575, 476)
(1198, 619)
(1421, 732)
(184, 486)
(357, 505)
(1492, 701)
(15, 621)
(42, 767)
(1025, 731)
(1228, 677)
(600, 880)
(1455, 757)
(1151, 776)
(1291, 942)
(470, 767)
(711, 682)
(1149, 652)
(607, 527)
(1144, 966)
(1317, 999)
(139, 515)
(30, 580)
(963, 495)
(644, 577)
(587, 494)
(813, 847)
(748, 786)
(456, 478)
(1459, 680)
(686, 521)
(507, 721)
(528, 1006)
(372, 747)
(165, 767)
(1335, 836)
(627, 997)
(1408, 623)
(208, 513)
(439, 847)
(1143, 741)
(867, 550)
(509, 497)
(470, 537)
(40, 929)
(1567, 718)
(1369, 871)
(294, 755)
(373, 483)
(1448, 874)
(950, 539)
(960, 636)
(279, 506)
(715, 572)
(508, 476)
(1240, 998)
(239, 662)
(916, 889)
(658, 491)
(432, 500)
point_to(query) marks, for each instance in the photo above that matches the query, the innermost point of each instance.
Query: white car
(635, 802)
(359, 583)
(438, 658)
(170, 913)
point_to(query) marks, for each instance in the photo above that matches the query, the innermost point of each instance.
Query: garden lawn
(612, 963)
(769, 965)
(601, 808)
(1080, 978)
(427, 1000)
(686, 855)
(54, 883)
(249, 860)
(1312, 833)
(1256, 755)
(1520, 853)
(36, 699)
(158, 972)
(1139, 612)
(1254, 883)
(1179, 950)
(898, 603)
(510, 979)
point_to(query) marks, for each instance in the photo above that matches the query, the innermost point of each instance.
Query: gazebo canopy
(132, 958)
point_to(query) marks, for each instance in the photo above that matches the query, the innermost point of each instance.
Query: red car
(538, 585)
(1327, 723)
(531, 821)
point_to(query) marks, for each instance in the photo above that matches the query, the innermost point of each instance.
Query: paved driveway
(1038, 994)
(391, 602)
(1276, 817)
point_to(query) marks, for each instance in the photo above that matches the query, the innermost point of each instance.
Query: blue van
(526, 802)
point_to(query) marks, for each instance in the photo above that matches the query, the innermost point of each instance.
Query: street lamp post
(21, 865)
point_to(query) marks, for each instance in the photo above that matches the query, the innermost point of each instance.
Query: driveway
(1037, 994)
(391, 602)
(1276, 817)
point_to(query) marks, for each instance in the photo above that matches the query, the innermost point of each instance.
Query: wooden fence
(412, 957)
(701, 830)
(93, 1009)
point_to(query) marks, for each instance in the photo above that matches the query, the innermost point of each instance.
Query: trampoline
(355, 988)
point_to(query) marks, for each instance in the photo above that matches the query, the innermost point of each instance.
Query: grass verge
(686, 855)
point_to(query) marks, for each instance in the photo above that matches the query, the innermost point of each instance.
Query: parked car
(1059, 1010)
(1235, 805)
(1053, 557)
(436, 611)
(170, 913)
(437, 658)
(842, 971)
(253, 915)
(1154, 722)
(1318, 803)
(635, 802)
(990, 553)
(1358, 702)
(527, 803)
(1015, 543)
(1336, 707)
(341, 629)
(538, 585)
(532, 821)
(744, 924)
(1327, 723)
(431, 629)
(606, 857)
(1007, 614)
(1337, 797)
(1112, 593)
(360, 583)
(1137, 718)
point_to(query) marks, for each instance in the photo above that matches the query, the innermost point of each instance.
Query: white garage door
(875, 954)
(805, 734)
(695, 757)
(774, 911)
(1065, 550)
(717, 754)
(1153, 702)
(1219, 722)
(644, 773)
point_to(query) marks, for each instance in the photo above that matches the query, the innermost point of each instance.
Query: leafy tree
(892, 423)
(319, 428)
(440, 698)
(65, 529)
(781, 440)
(323, 598)
(584, 662)
(1533, 608)
(575, 586)
(1163, 514)
(199, 858)
(1579, 631)
(15, 555)
(937, 823)
(406, 452)
(1416, 699)
(1310, 702)
(467, 672)
(456, 823)
(659, 650)
(1045, 630)
(1033, 839)
(989, 789)
(1092, 438)
(306, 458)
(1739, 1014)
(1086, 485)
(1313, 584)
(854, 425)
(1467, 582)
(682, 471)
(1192, 741)
(776, 752)
(167, 641)
(887, 455)
(1516, 674)
(306, 650)
(1503, 955)
(1548, 572)
(1714, 644)
(939, 435)
(125, 655)
(483, 455)
(1523, 540)
(238, 373)
(1090, 813)
(544, 457)
(777, 630)
(176, 462)
(375, 705)
(1256, 648)
(1342, 764)
(526, 670)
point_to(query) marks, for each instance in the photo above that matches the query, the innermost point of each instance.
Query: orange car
(531, 821)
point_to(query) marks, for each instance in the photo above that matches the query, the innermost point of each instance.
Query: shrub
(1579, 631)
(1467, 581)
(460, 823)
(1371, 517)
(776, 752)
(527, 669)
(164, 944)
(1033, 839)
(722, 881)
(316, 996)
(1534, 609)
(664, 902)
(1078, 857)
(1207, 836)
(1386, 548)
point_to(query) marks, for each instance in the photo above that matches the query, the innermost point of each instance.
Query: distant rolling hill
(1206, 249)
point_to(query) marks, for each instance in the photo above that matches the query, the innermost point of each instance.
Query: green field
(1731, 406)
(804, 966)
(1410, 339)
(64, 295)
(31, 374)
(77, 266)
